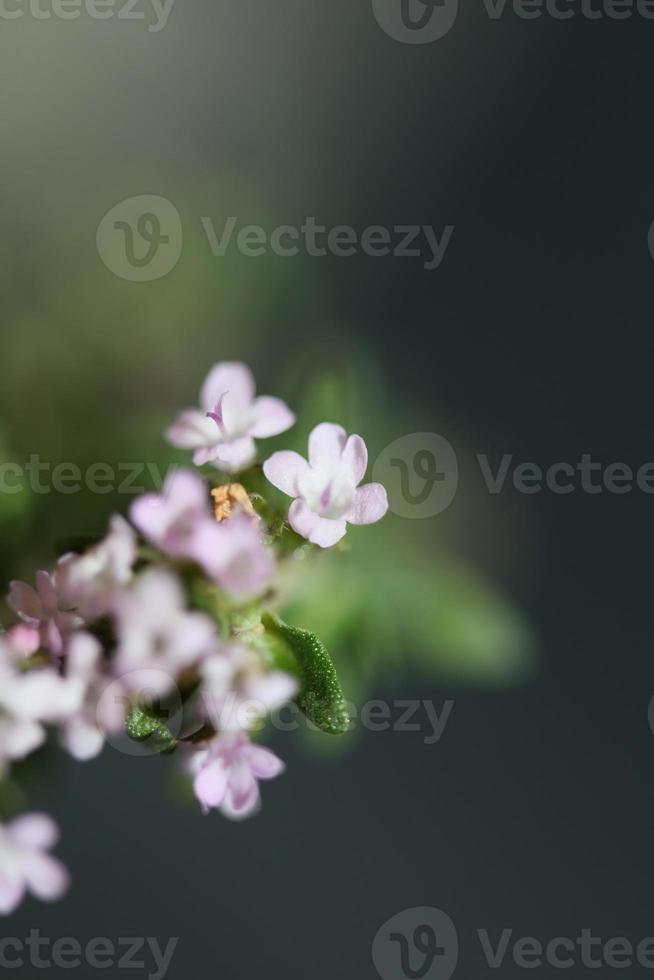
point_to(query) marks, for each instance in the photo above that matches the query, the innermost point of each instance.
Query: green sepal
(321, 697)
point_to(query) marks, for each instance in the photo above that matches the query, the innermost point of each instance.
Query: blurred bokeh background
(532, 338)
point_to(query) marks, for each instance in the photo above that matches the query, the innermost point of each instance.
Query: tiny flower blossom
(237, 690)
(83, 733)
(88, 582)
(29, 698)
(156, 633)
(44, 609)
(179, 521)
(25, 864)
(326, 489)
(226, 774)
(237, 558)
(223, 431)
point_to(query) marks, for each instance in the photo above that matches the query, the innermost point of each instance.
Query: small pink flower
(226, 775)
(83, 733)
(236, 557)
(156, 633)
(25, 864)
(326, 489)
(41, 609)
(223, 431)
(88, 582)
(29, 699)
(179, 520)
(237, 690)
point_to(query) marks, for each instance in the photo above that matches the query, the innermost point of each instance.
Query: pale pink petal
(47, 592)
(270, 416)
(301, 518)
(83, 655)
(54, 639)
(232, 377)
(210, 784)
(272, 690)
(43, 695)
(12, 892)
(326, 444)
(190, 430)
(317, 530)
(46, 877)
(234, 456)
(82, 739)
(19, 737)
(34, 830)
(284, 469)
(184, 497)
(242, 796)
(25, 640)
(263, 763)
(150, 515)
(25, 602)
(355, 458)
(370, 504)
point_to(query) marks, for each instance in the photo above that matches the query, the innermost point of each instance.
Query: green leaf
(143, 725)
(321, 697)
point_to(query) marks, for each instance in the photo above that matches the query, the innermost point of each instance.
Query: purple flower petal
(233, 456)
(46, 877)
(231, 377)
(242, 796)
(34, 830)
(317, 530)
(270, 416)
(190, 430)
(284, 469)
(25, 602)
(263, 763)
(370, 504)
(326, 444)
(12, 892)
(210, 784)
(355, 458)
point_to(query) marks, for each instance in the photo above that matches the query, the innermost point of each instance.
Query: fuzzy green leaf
(321, 697)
